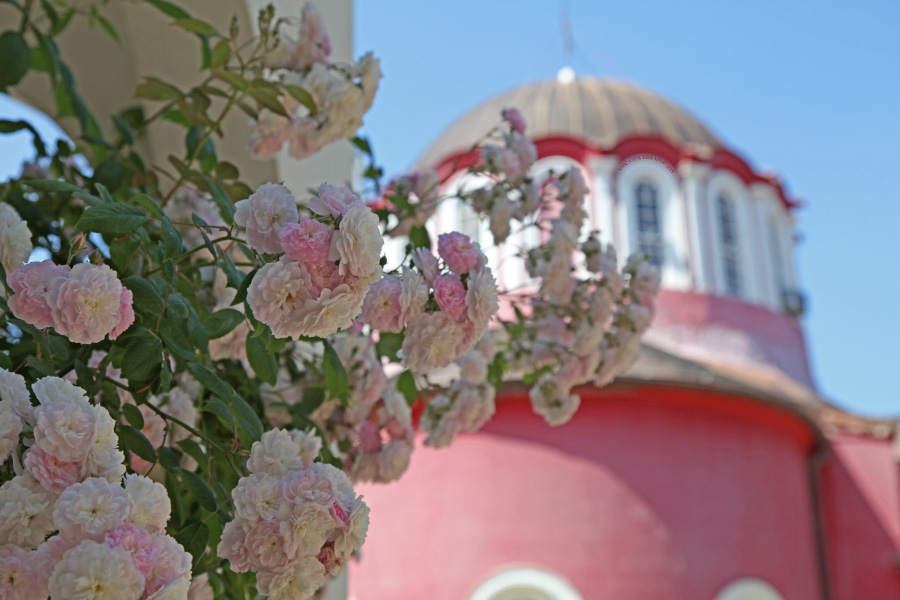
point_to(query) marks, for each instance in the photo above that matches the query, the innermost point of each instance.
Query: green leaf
(149, 203)
(222, 322)
(406, 385)
(247, 418)
(15, 59)
(146, 298)
(122, 250)
(194, 539)
(226, 206)
(124, 130)
(51, 185)
(263, 364)
(269, 100)
(13, 126)
(111, 219)
(170, 10)
(107, 27)
(154, 89)
(336, 381)
(232, 79)
(217, 407)
(195, 26)
(241, 294)
(137, 442)
(133, 416)
(171, 238)
(418, 235)
(175, 340)
(40, 366)
(167, 458)
(210, 380)
(109, 173)
(389, 344)
(142, 359)
(199, 489)
(220, 54)
(193, 449)
(302, 96)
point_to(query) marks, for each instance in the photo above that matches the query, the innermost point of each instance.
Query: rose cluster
(341, 94)
(110, 540)
(327, 262)
(296, 521)
(84, 303)
(444, 305)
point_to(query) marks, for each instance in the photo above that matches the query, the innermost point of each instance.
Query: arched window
(776, 257)
(526, 584)
(749, 588)
(649, 221)
(728, 237)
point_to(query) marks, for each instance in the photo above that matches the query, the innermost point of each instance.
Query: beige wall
(108, 74)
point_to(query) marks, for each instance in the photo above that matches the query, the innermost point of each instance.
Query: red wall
(861, 487)
(648, 493)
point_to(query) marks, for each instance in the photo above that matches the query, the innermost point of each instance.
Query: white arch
(749, 237)
(526, 582)
(675, 271)
(749, 588)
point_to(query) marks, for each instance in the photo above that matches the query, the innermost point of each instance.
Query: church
(713, 469)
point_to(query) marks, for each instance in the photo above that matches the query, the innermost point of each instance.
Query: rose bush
(195, 372)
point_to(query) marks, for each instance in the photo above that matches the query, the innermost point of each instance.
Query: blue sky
(810, 89)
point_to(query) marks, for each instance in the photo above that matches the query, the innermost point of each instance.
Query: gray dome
(601, 111)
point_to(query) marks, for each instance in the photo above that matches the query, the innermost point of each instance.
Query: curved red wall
(648, 493)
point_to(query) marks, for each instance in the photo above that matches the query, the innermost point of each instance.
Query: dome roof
(601, 111)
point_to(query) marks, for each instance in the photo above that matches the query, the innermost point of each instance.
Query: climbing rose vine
(195, 372)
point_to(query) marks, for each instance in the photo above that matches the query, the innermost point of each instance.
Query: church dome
(600, 111)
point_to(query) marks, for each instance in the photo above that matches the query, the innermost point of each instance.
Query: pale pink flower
(514, 118)
(323, 276)
(31, 286)
(458, 251)
(15, 238)
(25, 512)
(65, 428)
(200, 588)
(450, 295)
(431, 342)
(307, 241)
(109, 571)
(308, 443)
(333, 200)
(264, 213)
(172, 564)
(269, 134)
(126, 314)
(369, 70)
(426, 262)
(277, 291)
(231, 547)
(54, 474)
(525, 151)
(501, 161)
(149, 506)
(10, 428)
(90, 509)
(86, 306)
(269, 546)
(413, 297)
(276, 453)
(259, 497)
(381, 308)
(312, 45)
(13, 390)
(308, 487)
(18, 579)
(473, 366)
(481, 298)
(299, 581)
(358, 243)
(137, 543)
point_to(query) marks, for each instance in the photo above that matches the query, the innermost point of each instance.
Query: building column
(604, 206)
(693, 177)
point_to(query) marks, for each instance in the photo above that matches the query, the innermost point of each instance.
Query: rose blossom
(450, 295)
(108, 571)
(264, 213)
(307, 486)
(171, 571)
(277, 291)
(126, 314)
(381, 308)
(458, 251)
(431, 342)
(10, 428)
(54, 474)
(514, 118)
(18, 579)
(307, 241)
(90, 509)
(64, 427)
(13, 390)
(149, 506)
(31, 286)
(269, 546)
(333, 200)
(425, 261)
(358, 244)
(87, 305)
(137, 543)
(15, 238)
(26, 511)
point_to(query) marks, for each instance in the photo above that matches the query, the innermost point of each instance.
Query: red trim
(581, 151)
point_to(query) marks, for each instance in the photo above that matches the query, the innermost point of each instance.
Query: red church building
(713, 469)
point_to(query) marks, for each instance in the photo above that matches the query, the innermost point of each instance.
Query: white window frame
(538, 581)
(675, 269)
(749, 588)
(726, 183)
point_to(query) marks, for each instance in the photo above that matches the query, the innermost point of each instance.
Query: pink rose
(306, 242)
(514, 118)
(370, 437)
(31, 285)
(86, 306)
(231, 547)
(302, 487)
(53, 474)
(137, 543)
(126, 314)
(450, 295)
(426, 262)
(269, 546)
(381, 308)
(340, 516)
(333, 200)
(458, 252)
